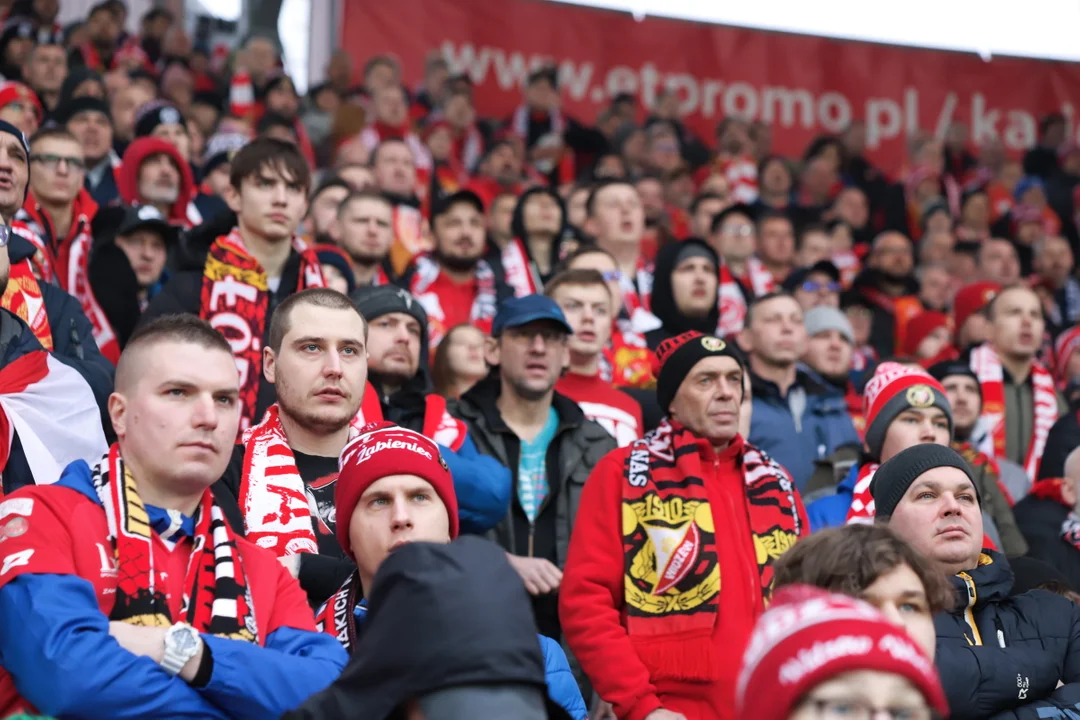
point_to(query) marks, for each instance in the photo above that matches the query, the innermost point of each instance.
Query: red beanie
(809, 636)
(1066, 344)
(893, 389)
(12, 91)
(380, 450)
(920, 327)
(970, 299)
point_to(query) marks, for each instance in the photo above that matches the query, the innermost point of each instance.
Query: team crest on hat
(170, 116)
(920, 396)
(713, 344)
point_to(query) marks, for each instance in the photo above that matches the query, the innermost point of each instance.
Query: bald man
(227, 629)
(1050, 521)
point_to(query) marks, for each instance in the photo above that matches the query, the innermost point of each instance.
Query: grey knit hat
(894, 477)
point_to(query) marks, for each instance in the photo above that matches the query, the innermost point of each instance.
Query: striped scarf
(217, 599)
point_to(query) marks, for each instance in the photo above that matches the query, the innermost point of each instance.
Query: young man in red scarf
(663, 584)
(286, 466)
(154, 607)
(248, 272)
(1020, 402)
(455, 284)
(585, 300)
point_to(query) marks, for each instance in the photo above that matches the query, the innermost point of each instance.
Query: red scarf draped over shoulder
(235, 300)
(671, 564)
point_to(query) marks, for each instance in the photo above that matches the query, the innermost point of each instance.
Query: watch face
(5, 234)
(184, 640)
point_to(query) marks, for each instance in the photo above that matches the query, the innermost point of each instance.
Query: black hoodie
(441, 616)
(663, 296)
(883, 322)
(517, 229)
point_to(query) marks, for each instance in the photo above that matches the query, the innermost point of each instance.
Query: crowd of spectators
(371, 403)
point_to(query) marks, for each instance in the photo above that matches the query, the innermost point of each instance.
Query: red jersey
(617, 412)
(51, 529)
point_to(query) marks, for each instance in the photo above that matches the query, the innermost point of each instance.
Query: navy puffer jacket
(1002, 657)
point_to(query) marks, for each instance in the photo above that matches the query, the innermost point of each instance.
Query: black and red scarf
(336, 617)
(672, 571)
(215, 571)
(234, 300)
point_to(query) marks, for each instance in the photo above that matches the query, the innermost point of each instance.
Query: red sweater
(617, 412)
(591, 596)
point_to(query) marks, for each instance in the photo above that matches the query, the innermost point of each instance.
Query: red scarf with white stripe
(862, 502)
(235, 300)
(439, 424)
(23, 298)
(484, 302)
(519, 271)
(468, 147)
(77, 282)
(732, 304)
(277, 510)
(761, 279)
(987, 367)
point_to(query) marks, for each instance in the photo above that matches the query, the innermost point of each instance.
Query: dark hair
(850, 558)
(702, 198)
(775, 158)
(442, 377)
(377, 60)
(989, 309)
(357, 195)
(267, 153)
(272, 120)
(579, 277)
(316, 297)
(817, 147)
(590, 204)
(56, 132)
(157, 13)
(758, 301)
(1050, 119)
(773, 214)
(105, 6)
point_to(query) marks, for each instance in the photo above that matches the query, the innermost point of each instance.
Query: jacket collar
(988, 582)
(483, 395)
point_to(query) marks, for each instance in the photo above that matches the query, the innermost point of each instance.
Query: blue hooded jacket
(832, 510)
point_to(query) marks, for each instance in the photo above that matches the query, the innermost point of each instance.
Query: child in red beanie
(814, 654)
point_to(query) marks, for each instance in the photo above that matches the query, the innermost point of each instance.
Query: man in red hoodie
(153, 172)
(663, 585)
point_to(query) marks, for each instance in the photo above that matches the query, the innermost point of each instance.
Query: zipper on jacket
(969, 615)
(532, 538)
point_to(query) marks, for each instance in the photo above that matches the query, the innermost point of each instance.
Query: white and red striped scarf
(439, 424)
(741, 175)
(76, 280)
(273, 499)
(861, 511)
(483, 308)
(469, 148)
(732, 304)
(519, 123)
(761, 280)
(637, 298)
(991, 426)
(519, 271)
(848, 264)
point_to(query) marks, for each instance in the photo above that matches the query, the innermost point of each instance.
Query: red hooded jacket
(127, 176)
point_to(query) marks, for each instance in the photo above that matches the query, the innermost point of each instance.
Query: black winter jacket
(1002, 657)
(1040, 519)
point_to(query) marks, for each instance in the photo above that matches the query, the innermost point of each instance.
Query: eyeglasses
(859, 709)
(740, 231)
(813, 286)
(53, 161)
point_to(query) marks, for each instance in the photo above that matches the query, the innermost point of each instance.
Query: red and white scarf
(761, 279)
(23, 298)
(235, 299)
(519, 271)
(469, 147)
(861, 511)
(519, 123)
(278, 511)
(987, 367)
(732, 304)
(637, 298)
(439, 424)
(76, 280)
(484, 303)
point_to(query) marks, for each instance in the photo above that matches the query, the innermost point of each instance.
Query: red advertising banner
(802, 86)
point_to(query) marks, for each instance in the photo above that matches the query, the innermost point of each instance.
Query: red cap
(383, 449)
(971, 299)
(11, 91)
(920, 327)
(809, 636)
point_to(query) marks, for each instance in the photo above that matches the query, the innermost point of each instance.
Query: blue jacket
(52, 627)
(831, 510)
(821, 425)
(561, 685)
(482, 486)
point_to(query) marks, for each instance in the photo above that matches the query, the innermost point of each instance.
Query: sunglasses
(812, 286)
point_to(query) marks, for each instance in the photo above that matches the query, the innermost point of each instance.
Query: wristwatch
(181, 643)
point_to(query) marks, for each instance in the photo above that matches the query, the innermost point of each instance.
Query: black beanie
(374, 301)
(947, 368)
(6, 127)
(677, 356)
(894, 477)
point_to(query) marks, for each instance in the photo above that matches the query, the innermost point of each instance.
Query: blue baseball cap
(524, 310)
